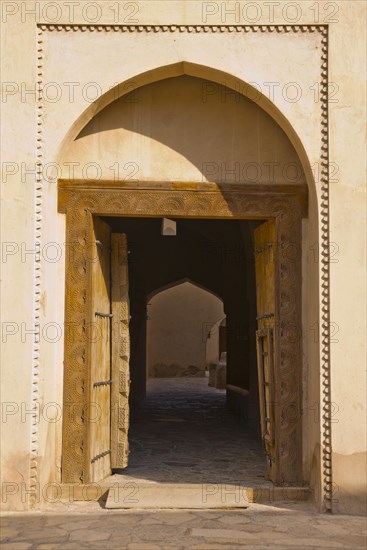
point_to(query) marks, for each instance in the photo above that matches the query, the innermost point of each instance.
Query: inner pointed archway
(179, 321)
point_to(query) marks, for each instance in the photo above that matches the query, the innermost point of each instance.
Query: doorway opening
(118, 259)
(194, 396)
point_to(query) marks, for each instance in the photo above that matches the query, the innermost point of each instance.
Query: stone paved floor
(179, 438)
(87, 526)
(182, 433)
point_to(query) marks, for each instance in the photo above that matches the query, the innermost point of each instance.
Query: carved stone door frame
(287, 204)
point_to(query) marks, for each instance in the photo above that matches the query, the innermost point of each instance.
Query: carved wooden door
(265, 251)
(99, 338)
(120, 352)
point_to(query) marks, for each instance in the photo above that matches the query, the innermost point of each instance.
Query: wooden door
(99, 332)
(120, 352)
(265, 254)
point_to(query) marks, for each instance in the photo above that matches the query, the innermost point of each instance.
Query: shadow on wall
(179, 321)
(222, 137)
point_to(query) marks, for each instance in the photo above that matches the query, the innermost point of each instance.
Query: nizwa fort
(183, 274)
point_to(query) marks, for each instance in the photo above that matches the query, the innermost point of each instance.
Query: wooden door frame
(80, 200)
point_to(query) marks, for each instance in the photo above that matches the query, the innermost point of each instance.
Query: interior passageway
(181, 430)
(182, 433)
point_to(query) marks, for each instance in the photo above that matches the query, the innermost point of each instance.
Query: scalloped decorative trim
(183, 28)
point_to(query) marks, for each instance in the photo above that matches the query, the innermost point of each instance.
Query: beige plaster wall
(32, 366)
(348, 258)
(212, 344)
(17, 267)
(184, 128)
(180, 319)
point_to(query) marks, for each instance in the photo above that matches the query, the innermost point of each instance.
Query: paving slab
(191, 454)
(177, 496)
(187, 450)
(258, 527)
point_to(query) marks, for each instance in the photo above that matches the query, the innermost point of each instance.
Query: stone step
(205, 496)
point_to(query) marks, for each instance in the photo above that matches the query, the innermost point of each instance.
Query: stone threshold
(141, 494)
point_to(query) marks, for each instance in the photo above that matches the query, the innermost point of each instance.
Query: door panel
(265, 254)
(99, 330)
(120, 352)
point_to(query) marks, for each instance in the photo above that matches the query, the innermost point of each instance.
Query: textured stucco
(32, 372)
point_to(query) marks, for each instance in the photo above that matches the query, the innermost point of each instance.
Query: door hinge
(101, 455)
(102, 383)
(99, 314)
(265, 247)
(101, 245)
(265, 316)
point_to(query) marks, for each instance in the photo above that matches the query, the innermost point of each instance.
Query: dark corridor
(215, 254)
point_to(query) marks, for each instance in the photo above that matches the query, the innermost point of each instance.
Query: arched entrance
(179, 319)
(229, 192)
